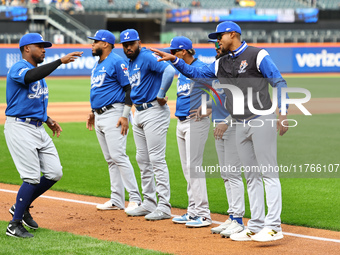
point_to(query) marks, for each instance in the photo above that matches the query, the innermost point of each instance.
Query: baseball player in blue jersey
(149, 81)
(191, 137)
(31, 148)
(246, 67)
(111, 105)
(227, 157)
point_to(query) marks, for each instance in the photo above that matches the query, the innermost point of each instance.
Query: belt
(34, 122)
(144, 106)
(181, 118)
(103, 109)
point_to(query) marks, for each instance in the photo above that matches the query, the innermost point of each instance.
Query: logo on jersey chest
(135, 79)
(38, 91)
(243, 66)
(97, 81)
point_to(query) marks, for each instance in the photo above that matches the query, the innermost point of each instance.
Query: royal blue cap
(129, 35)
(226, 26)
(180, 43)
(33, 38)
(103, 35)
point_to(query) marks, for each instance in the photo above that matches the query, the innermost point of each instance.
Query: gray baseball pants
(33, 151)
(231, 172)
(113, 145)
(149, 131)
(191, 138)
(257, 148)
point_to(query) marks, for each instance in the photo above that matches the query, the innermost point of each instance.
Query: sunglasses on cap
(173, 52)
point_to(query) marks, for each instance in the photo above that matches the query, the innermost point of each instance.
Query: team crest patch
(243, 66)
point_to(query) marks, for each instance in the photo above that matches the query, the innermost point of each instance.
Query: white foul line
(173, 215)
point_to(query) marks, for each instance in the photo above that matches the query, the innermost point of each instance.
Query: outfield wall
(289, 58)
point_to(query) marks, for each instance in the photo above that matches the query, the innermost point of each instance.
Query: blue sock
(42, 187)
(24, 197)
(231, 217)
(239, 220)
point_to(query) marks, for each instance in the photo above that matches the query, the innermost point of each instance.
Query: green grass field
(309, 199)
(53, 242)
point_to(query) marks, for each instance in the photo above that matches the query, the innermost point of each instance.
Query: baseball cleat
(139, 211)
(244, 235)
(234, 228)
(132, 205)
(157, 215)
(107, 206)
(198, 222)
(267, 235)
(220, 228)
(182, 219)
(27, 218)
(16, 229)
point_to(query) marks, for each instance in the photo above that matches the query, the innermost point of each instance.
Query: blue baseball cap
(103, 35)
(33, 38)
(226, 26)
(180, 43)
(129, 35)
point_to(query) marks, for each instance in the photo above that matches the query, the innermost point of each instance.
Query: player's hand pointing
(124, 123)
(71, 57)
(164, 56)
(54, 126)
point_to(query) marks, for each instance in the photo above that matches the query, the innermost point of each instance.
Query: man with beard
(31, 148)
(111, 104)
(149, 81)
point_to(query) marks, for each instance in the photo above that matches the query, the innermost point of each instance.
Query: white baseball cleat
(220, 228)
(108, 206)
(244, 235)
(131, 206)
(157, 215)
(267, 235)
(234, 228)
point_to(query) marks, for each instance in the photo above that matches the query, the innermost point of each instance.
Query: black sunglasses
(173, 52)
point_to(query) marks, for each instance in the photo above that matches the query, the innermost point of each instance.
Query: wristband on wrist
(126, 111)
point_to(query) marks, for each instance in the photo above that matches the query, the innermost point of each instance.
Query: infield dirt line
(77, 214)
(173, 215)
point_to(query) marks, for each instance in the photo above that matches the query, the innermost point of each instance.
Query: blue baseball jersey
(107, 81)
(189, 93)
(219, 112)
(25, 100)
(145, 76)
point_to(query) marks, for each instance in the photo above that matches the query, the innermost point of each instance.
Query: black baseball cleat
(27, 218)
(16, 229)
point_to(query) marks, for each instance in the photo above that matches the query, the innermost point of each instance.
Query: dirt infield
(78, 111)
(84, 219)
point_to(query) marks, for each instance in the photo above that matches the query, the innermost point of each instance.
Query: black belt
(142, 107)
(103, 109)
(181, 118)
(34, 122)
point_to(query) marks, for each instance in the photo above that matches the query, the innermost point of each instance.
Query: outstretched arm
(207, 71)
(42, 71)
